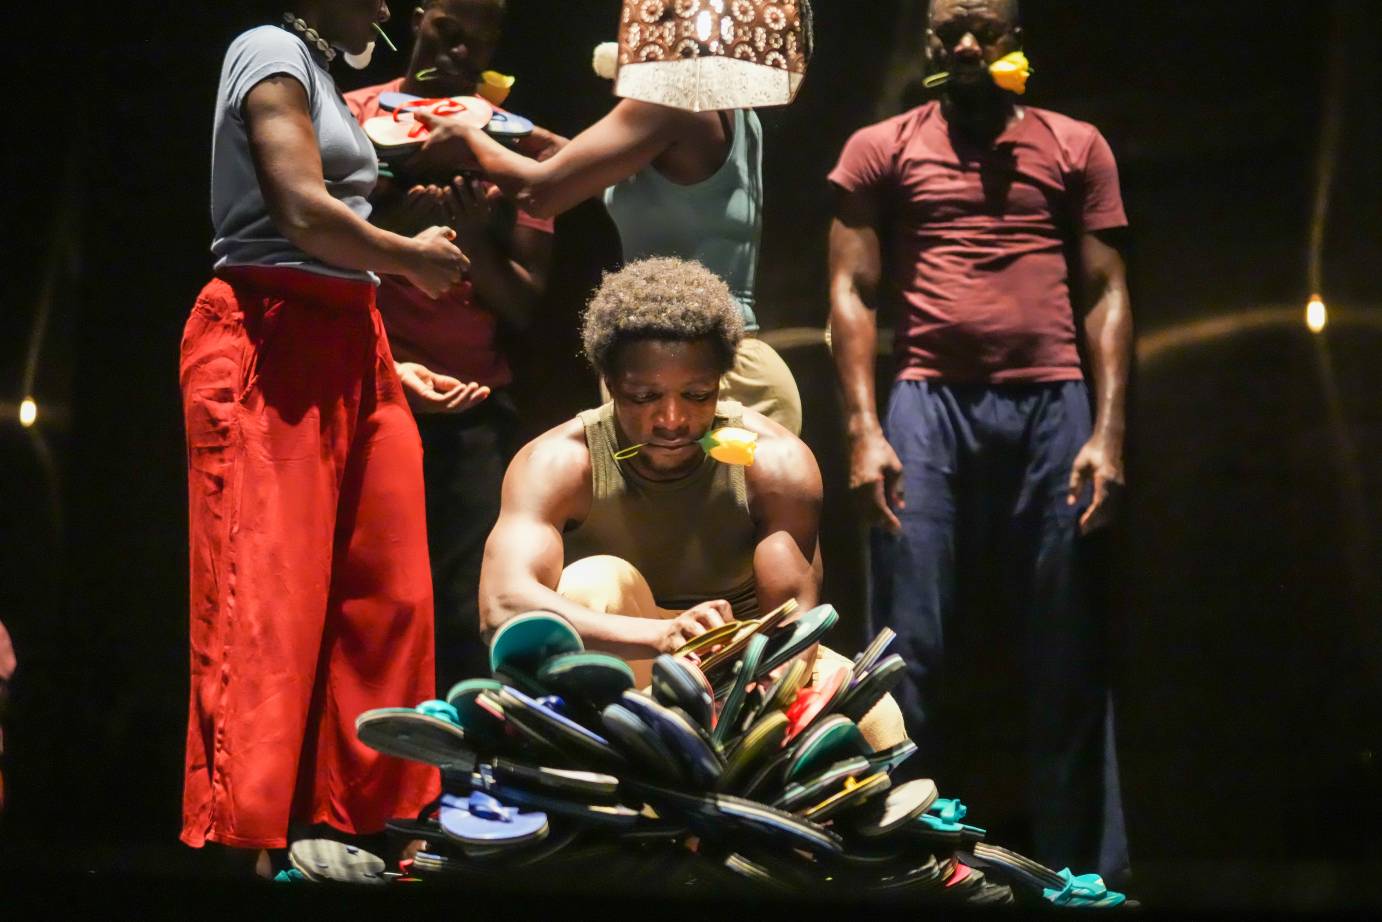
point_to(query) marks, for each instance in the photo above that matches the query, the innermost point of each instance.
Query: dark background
(1244, 576)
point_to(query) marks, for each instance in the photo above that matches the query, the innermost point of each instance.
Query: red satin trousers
(311, 593)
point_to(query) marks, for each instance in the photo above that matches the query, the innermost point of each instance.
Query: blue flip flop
(539, 717)
(642, 744)
(483, 820)
(679, 731)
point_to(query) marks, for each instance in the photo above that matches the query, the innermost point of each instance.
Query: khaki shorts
(761, 381)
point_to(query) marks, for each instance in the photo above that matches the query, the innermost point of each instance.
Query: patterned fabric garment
(712, 54)
(746, 30)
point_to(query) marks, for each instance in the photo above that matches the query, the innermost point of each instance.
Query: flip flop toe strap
(486, 807)
(1081, 887)
(441, 710)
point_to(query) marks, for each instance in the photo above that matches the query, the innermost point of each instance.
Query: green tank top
(718, 222)
(692, 539)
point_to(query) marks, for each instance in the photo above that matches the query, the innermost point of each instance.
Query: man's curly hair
(661, 299)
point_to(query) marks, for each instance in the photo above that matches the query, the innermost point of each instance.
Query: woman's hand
(447, 149)
(437, 263)
(430, 392)
(541, 144)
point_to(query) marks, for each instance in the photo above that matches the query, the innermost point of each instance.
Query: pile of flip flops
(730, 770)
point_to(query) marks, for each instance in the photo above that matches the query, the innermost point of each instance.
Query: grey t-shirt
(245, 235)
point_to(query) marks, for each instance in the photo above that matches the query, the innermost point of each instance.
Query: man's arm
(875, 473)
(626, 140)
(509, 280)
(1108, 338)
(785, 499)
(546, 486)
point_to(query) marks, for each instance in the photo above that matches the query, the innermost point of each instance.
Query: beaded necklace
(310, 36)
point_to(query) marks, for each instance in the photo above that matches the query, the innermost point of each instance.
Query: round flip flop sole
(407, 734)
(324, 860)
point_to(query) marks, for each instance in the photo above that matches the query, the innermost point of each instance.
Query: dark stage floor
(154, 876)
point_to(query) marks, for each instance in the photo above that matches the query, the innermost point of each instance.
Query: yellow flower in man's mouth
(730, 445)
(1010, 72)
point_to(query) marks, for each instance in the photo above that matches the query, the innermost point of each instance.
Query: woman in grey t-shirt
(311, 597)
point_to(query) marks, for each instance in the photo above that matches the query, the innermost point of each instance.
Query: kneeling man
(644, 553)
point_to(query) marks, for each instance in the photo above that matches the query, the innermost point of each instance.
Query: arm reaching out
(626, 140)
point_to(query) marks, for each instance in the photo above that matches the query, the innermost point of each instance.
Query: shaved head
(1007, 9)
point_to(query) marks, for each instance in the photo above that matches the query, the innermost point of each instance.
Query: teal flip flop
(529, 640)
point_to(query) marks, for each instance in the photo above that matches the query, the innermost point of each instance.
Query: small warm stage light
(28, 412)
(1315, 314)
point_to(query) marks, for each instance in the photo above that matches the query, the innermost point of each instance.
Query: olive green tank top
(692, 539)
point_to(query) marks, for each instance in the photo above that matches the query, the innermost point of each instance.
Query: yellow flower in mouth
(730, 445)
(1011, 72)
(494, 87)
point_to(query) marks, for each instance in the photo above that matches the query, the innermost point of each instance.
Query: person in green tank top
(646, 551)
(701, 542)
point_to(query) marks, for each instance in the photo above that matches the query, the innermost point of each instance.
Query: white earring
(360, 61)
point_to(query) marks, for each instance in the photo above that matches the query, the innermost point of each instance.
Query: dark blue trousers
(990, 556)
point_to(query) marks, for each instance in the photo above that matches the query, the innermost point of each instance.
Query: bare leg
(612, 585)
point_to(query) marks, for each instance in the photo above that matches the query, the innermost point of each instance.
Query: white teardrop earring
(360, 61)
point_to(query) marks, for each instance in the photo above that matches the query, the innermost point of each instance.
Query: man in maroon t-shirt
(996, 218)
(467, 420)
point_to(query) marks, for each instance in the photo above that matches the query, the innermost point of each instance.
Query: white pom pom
(606, 60)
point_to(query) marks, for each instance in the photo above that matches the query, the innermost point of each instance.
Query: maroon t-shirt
(978, 238)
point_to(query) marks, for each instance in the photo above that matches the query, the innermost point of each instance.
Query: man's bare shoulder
(782, 461)
(556, 464)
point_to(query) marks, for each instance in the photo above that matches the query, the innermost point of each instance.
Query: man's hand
(412, 212)
(1101, 465)
(676, 632)
(469, 206)
(430, 392)
(875, 479)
